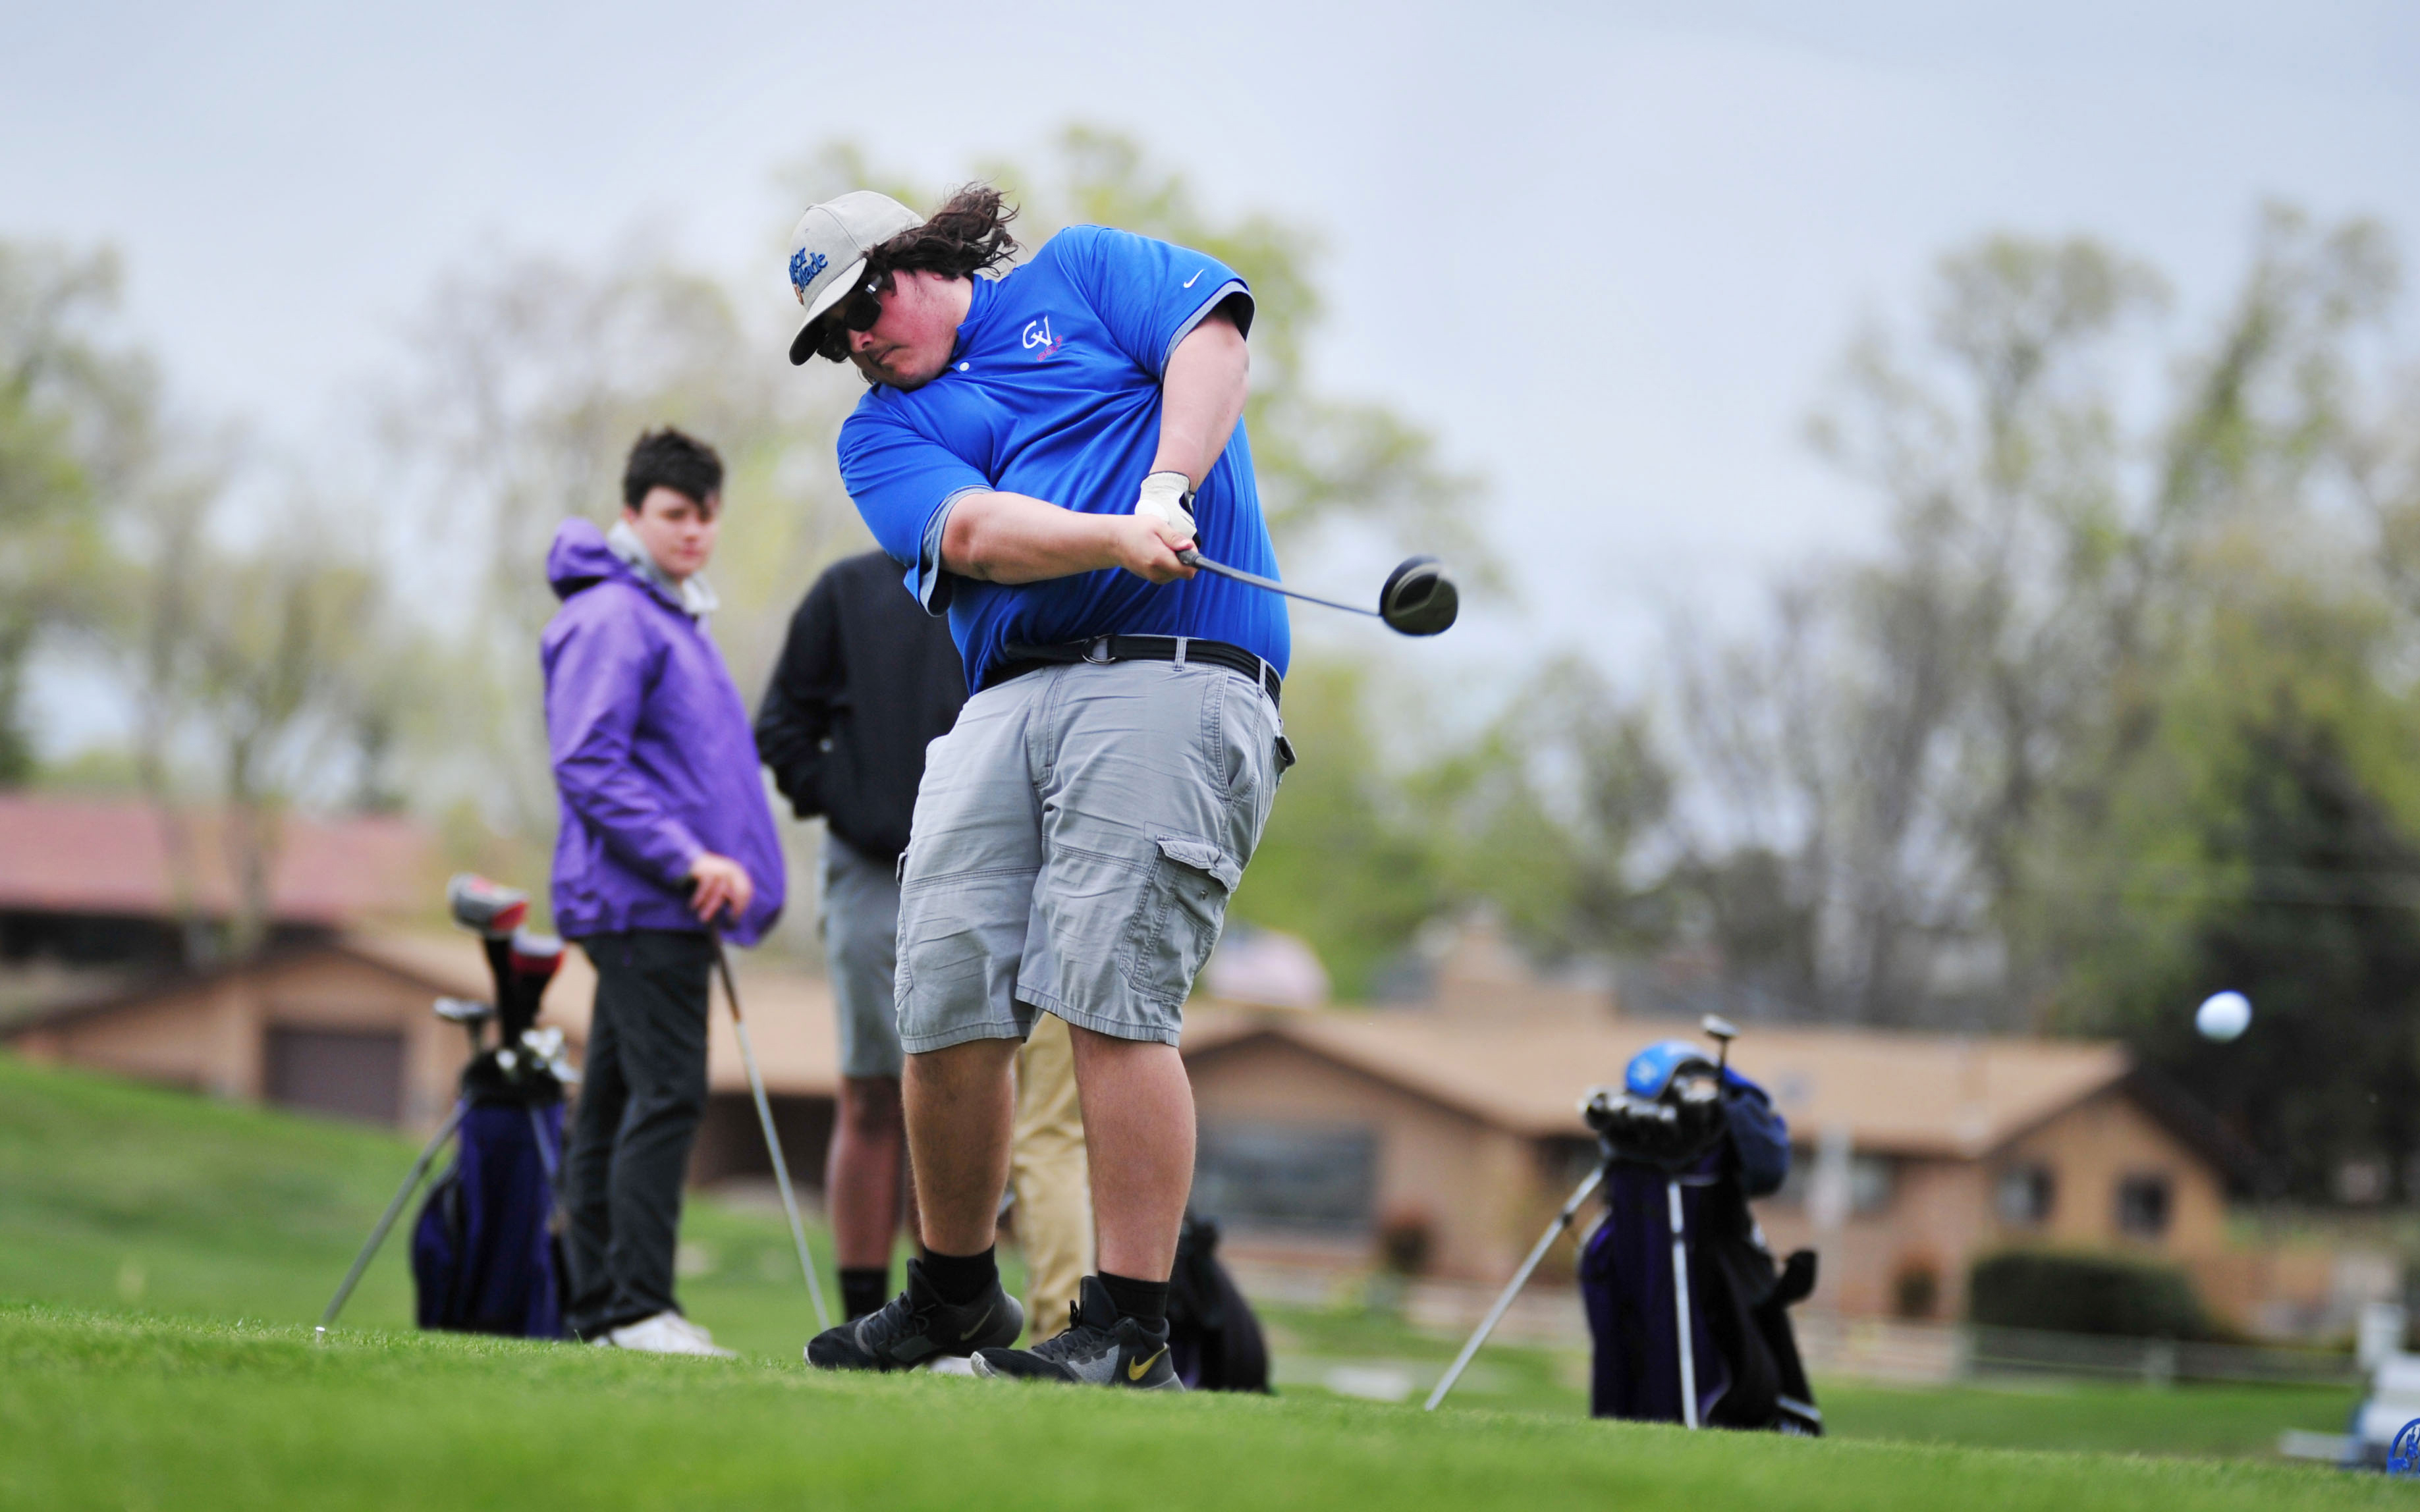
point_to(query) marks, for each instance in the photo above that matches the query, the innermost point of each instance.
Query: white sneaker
(667, 1333)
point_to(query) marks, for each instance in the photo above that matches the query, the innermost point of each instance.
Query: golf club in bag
(484, 1253)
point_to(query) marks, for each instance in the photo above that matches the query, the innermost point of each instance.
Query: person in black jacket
(866, 681)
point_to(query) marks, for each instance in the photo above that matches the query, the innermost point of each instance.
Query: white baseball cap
(828, 250)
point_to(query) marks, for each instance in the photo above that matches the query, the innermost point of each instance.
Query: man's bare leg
(961, 1106)
(957, 1102)
(1139, 1134)
(865, 1174)
(869, 1139)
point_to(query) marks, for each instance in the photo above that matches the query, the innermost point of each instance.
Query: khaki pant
(1053, 1185)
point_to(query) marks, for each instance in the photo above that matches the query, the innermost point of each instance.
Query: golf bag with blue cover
(1686, 1134)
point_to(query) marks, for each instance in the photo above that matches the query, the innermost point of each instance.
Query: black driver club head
(1420, 597)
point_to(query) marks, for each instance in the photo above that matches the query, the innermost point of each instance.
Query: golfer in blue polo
(1035, 447)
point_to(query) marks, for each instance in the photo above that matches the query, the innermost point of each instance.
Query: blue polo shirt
(1053, 392)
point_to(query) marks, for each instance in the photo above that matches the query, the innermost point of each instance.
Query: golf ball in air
(2223, 1016)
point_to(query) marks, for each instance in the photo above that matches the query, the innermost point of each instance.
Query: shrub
(1915, 1291)
(1406, 1240)
(2086, 1294)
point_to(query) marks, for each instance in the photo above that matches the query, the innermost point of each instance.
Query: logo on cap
(804, 266)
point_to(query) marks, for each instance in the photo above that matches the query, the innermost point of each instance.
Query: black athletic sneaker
(916, 1326)
(1099, 1348)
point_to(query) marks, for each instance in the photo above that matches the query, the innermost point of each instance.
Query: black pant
(641, 1094)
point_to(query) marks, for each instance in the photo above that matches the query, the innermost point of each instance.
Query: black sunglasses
(859, 312)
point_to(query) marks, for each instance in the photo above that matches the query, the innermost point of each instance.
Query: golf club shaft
(1195, 558)
(386, 1220)
(1520, 1279)
(1681, 1307)
(772, 1140)
(546, 1159)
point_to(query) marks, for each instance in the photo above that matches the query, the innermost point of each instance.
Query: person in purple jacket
(666, 839)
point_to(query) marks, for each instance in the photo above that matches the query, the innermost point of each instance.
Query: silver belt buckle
(1097, 652)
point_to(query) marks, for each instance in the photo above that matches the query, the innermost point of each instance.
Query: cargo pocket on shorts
(1183, 910)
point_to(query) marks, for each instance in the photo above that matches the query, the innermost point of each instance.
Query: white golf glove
(1169, 496)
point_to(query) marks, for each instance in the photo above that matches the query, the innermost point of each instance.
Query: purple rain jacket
(653, 754)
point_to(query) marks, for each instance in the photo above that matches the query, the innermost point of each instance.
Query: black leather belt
(1018, 657)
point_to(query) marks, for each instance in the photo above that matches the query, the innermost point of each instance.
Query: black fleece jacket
(867, 679)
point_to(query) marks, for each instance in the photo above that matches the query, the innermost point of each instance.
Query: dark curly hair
(668, 459)
(964, 236)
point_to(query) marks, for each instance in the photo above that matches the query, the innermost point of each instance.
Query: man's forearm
(1202, 397)
(1010, 538)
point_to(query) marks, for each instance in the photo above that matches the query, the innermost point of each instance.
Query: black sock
(960, 1278)
(1145, 1302)
(864, 1288)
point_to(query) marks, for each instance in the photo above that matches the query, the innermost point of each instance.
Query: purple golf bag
(1740, 1354)
(483, 1257)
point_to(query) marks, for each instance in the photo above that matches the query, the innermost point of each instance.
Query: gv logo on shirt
(1039, 340)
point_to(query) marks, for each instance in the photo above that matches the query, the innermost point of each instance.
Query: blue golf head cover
(1653, 1069)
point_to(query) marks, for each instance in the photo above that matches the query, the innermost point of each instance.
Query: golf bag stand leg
(386, 1220)
(1520, 1279)
(1684, 1335)
(772, 1140)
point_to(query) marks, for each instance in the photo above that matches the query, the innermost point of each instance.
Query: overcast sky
(1609, 252)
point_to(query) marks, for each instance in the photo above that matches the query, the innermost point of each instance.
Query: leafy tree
(1542, 814)
(75, 420)
(1929, 754)
(531, 378)
(1340, 864)
(2317, 927)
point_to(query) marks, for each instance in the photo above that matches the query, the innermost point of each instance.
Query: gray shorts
(860, 923)
(1075, 838)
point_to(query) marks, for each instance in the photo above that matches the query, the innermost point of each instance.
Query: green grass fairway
(113, 1412)
(162, 1259)
(118, 1196)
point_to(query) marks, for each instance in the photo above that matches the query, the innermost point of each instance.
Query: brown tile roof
(1913, 1094)
(105, 856)
(789, 1010)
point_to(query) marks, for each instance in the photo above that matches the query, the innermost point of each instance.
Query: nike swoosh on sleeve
(1188, 283)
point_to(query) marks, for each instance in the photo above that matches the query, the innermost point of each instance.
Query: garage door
(343, 1073)
(1286, 1176)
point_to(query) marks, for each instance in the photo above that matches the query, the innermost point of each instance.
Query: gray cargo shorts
(861, 920)
(1075, 838)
